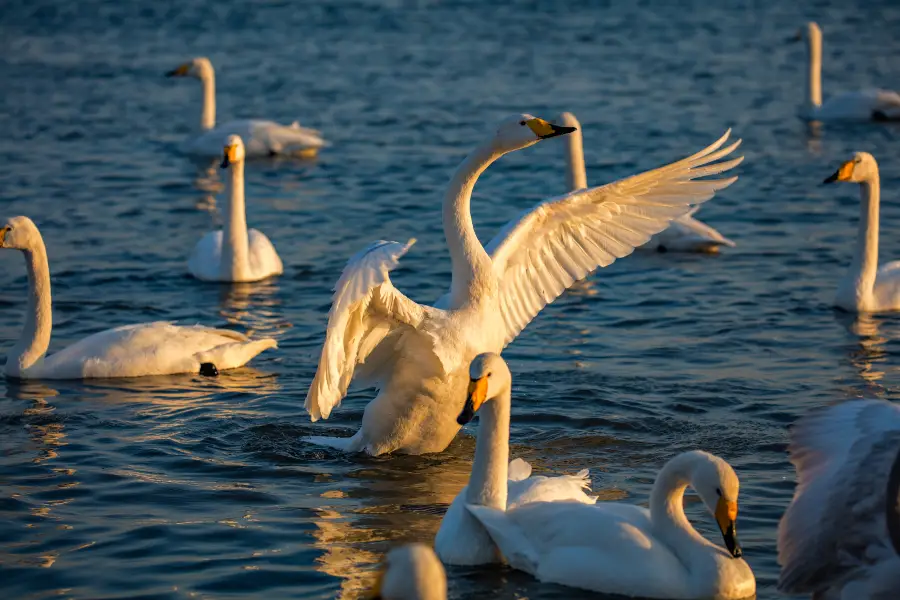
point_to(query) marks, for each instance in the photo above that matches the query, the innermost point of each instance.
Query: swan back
(20, 233)
(411, 572)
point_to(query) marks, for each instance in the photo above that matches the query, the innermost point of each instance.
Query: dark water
(187, 487)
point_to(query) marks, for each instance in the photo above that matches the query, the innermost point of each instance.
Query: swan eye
(522, 123)
(489, 375)
(719, 492)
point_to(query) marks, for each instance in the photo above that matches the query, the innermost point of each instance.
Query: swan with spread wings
(417, 355)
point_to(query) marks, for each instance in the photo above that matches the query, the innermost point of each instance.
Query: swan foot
(209, 370)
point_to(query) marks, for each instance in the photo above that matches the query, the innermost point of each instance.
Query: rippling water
(184, 486)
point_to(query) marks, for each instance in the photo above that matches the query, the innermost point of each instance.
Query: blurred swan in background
(262, 138)
(684, 234)
(411, 572)
(418, 355)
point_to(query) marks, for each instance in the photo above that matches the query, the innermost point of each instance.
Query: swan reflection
(254, 308)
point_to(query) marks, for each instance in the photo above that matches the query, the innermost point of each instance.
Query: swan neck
(35, 338)
(235, 243)
(490, 469)
(670, 523)
(208, 116)
(814, 81)
(576, 176)
(468, 257)
(865, 259)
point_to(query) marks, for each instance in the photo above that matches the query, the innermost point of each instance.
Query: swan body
(840, 536)
(411, 572)
(866, 287)
(461, 540)
(159, 348)
(234, 254)
(684, 234)
(418, 355)
(261, 138)
(863, 105)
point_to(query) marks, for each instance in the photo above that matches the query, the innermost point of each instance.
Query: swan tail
(515, 547)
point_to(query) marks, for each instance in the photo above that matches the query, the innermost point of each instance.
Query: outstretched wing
(836, 522)
(563, 239)
(366, 307)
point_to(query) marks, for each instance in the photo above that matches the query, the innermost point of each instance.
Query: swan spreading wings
(418, 355)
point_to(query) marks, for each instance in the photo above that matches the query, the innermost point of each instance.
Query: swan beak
(375, 592)
(842, 174)
(229, 156)
(726, 515)
(474, 399)
(545, 130)
(797, 37)
(181, 71)
(3, 233)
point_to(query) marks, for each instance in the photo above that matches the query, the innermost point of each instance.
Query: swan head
(411, 572)
(233, 152)
(488, 378)
(198, 68)
(717, 485)
(569, 120)
(19, 233)
(520, 131)
(811, 32)
(861, 168)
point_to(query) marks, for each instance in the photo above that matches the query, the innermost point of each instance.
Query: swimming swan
(685, 234)
(418, 355)
(130, 351)
(866, 287)
(617, 548)
(840, 537)
(410, 572)
(263, 138)
(461, 540)
(864, 105)
(234, 254)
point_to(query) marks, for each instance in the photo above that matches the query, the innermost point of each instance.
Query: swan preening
(607, 547)
(461, 540)
(234, 254)
(867, 287)
(410, 572)
(418, 355)
(871, 104)
(262, 138)
(159, 348)
(840, 537)
(684, 234)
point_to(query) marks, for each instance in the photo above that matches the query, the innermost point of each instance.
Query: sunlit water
(185, 486)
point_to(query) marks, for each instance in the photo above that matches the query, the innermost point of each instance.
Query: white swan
(234, 254)
(410, 572)
(461, 540)
(840, 537)
(863, 105)
(131, 351)
(262, 138)
(418, 356)
(866, 287)
(685, 234)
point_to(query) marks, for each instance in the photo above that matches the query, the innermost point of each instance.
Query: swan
(863, 105)
(418, 355)
(410, 572)
(461, 540)
(263, 138)
(840, 536)
(159, 348)
(866, 288)
(685, 234)
(243, 255)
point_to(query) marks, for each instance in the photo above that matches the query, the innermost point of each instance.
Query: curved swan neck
(667, 503)
(865, 259)
(490, 469)
(208, 116)
(35, 338)
(576, 176)
(235, 242)
(814, 81)
(468, 257)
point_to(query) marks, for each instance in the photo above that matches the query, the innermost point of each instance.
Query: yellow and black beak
(375, 592)
(842, 174)
(475, 397)
(726, 517)
(229, 156)
(3, 233)
(181, 71)
(545, 130)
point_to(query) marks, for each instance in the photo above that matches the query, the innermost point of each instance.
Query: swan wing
(687, 234)
(204, 261)
(287, 139)
(264, 259)
(836, 521)
(539, 488)
(563, 239)
(365, 309)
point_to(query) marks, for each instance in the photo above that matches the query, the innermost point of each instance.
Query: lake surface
(185, 487)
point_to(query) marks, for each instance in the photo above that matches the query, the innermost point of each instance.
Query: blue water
(185, 487)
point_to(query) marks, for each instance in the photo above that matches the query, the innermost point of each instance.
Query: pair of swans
(262, 138)
(159, 348)
(234, 254)
(684, 234)
(558, 534)
(863, 105)
(840, 537)
(418, 355)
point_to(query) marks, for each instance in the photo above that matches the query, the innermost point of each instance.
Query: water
(188, 487)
